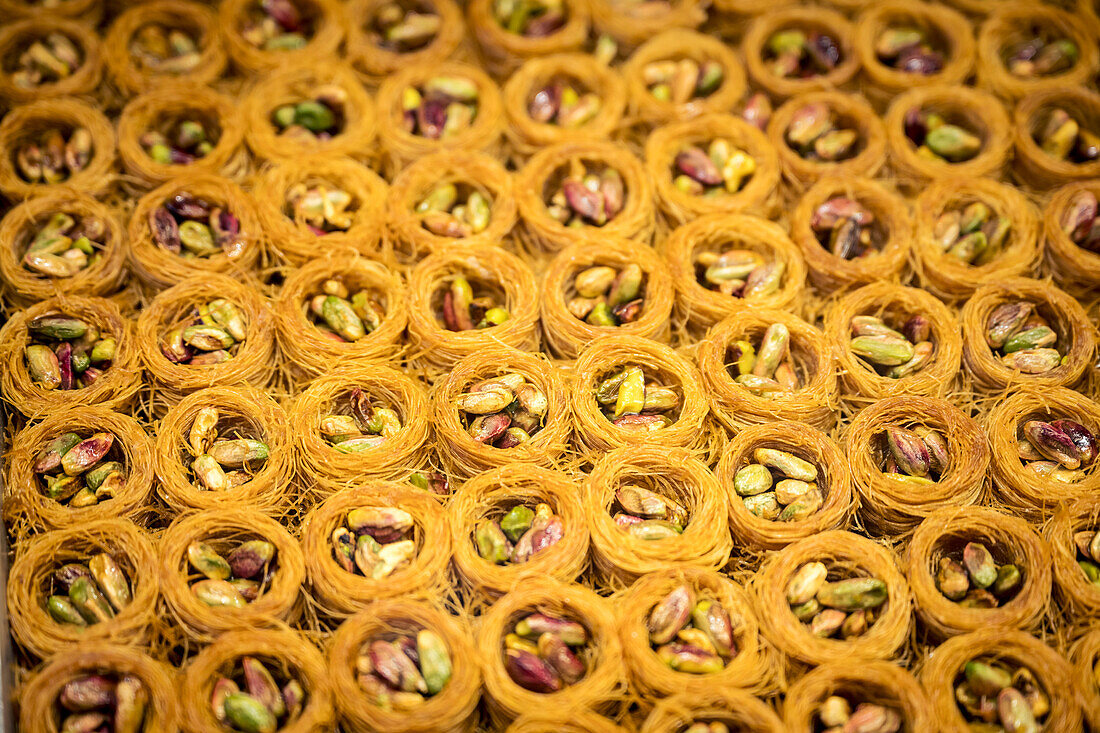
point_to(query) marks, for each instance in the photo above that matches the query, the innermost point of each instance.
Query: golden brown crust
(294, 240)
(749, 668)
(373, 63)
(1052, 672)
(895, 303)
(479, 171)
(223, 528)
(294, 84)
(253, 364)
(608, 354)
(1009, 538)
(1020, 21)
(892, 506)
(852, 112)
(807, 19)
(527, 136)
(158, 267)
(504, 698)
(198, 19)
(738, 709)
(505, 51)
(1076, 269)
(1079, 598)
(850, 554)
(620, 557)
(37, 700)
(949, 277)
(31, 577)
(172, 100)
(329, 470)
(114, 389)
(830, 273)
(950, 26)
(1066, 316)
(465, 456)
(401, 147)
(287, 649)
(329, 21)
(677, 44)
(341, 593)
(542, 232)
(490, 267)
(982, 113)
(807, 443)
(311, 351)
(565, 334)
(614, 18)
(1026, 491)
(701, 307)
(882, 683)
(757, 196)
(452, 710)
(17, 230)
(22, 124)
(1031, 164)
(16, 37)
(26, 505)
(735, 407)
(251, 411)
(486, 496)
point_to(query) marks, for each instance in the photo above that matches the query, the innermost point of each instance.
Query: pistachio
(111, 580)
(752, 480)
(805, 583)
(670, 615)
(785, 463)
(908, 49)
(952, 579)
(89, 601)
(207, 561)
(531, 672)
(853, 594)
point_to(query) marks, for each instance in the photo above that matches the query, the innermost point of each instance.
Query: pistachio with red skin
(402, 672)
(546, 652)
(588, 197)
(504, 411)
(720, 169)
(909, 49)
(179, 141)
(519, 535)
(1078, 221)
(846, 228)
(84, 595)
(213, 332)
(54, 156)
(1002, 694)
(1037, 57)
(276, 25)
(441, 107)
(561, 103)
(794, 53)
(193, 227)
